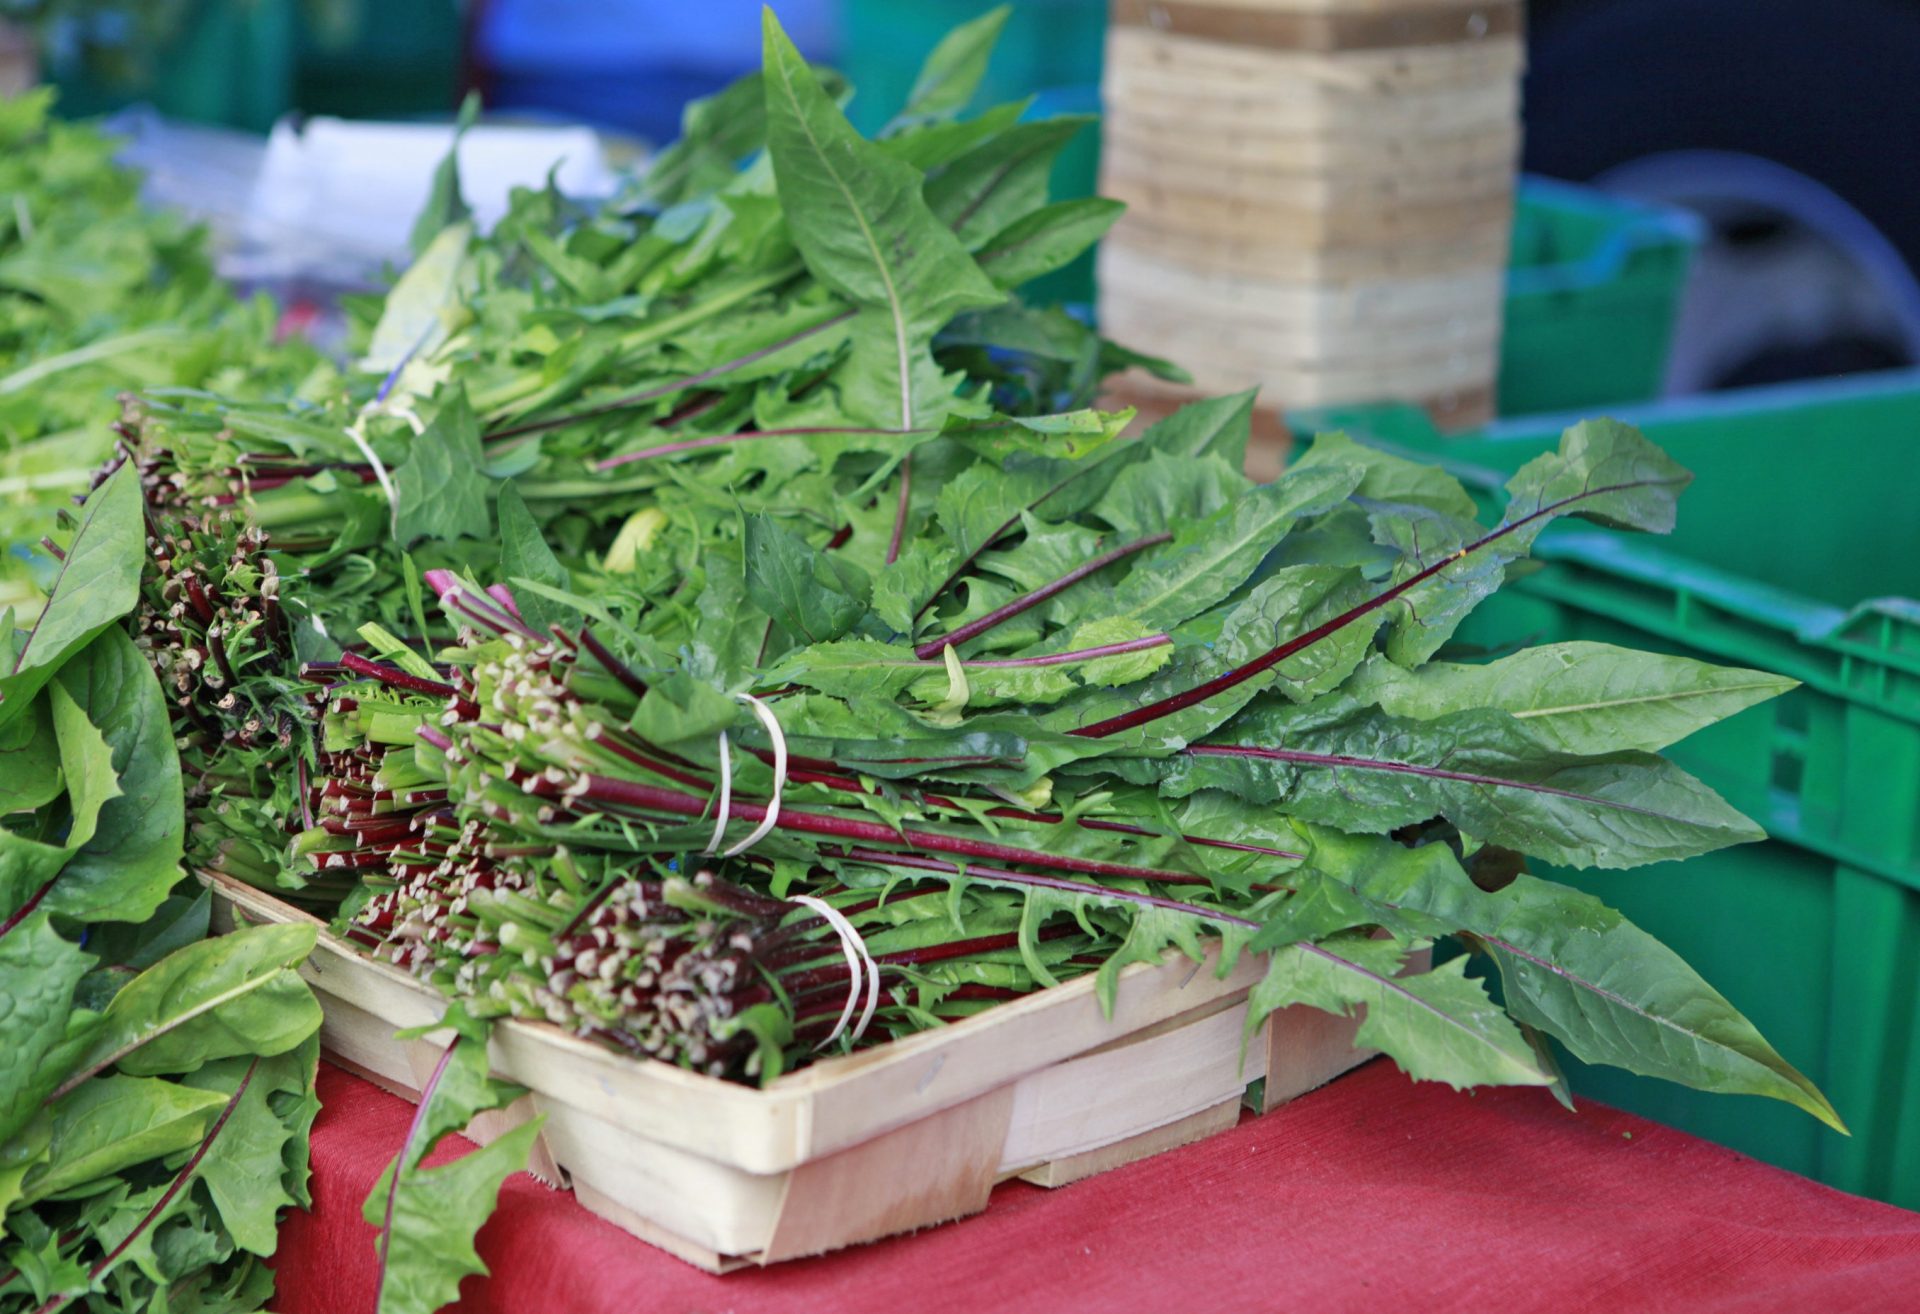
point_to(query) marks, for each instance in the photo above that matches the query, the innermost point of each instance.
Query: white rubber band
(726, 796)
(856, 951)
(779, 738)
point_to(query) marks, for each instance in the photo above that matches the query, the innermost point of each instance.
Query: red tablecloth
(1375, 1193)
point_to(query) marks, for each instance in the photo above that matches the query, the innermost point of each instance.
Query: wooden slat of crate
(1322, 26)
(1141, 146)
(902, 1136)
(1217, 256)
(1249, 219)
(1335, 191)
(1389, 70)
(1136, 273)
(1449, 113)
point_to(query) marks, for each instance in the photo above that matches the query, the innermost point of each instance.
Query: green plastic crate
(229, 62)
(1592, 285)
(1798, 551)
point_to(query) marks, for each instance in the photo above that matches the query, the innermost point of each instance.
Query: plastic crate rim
(1647, 225)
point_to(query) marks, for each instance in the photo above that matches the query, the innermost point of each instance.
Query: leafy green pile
(156, 1087)
(99, 295)
(716, 623)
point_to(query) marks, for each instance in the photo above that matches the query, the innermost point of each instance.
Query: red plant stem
(847, 784)
(1274, 656)
(25, 910)
(400, 1163)
(664, 389)
(180, 1180)
(726, 439)
(650, 798)
(900, 510)
(1068, 658)
(1040, 883)
(392, 675)
(966, 562)
(975, 628)
(618, 669)
(808, 978)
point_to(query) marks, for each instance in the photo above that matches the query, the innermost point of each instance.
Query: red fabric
(1375, 1193)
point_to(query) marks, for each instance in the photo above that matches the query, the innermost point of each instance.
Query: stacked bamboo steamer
(1319, 194)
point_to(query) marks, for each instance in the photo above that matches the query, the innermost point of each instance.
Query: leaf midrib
(894, 307)
(1569, 709)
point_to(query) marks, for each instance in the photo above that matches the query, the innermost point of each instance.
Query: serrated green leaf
(815, 595)
(440, 491)
(246, 1173)
(1046, 239)
(429, 1216)
(1438, 1025)
(1583, 973)
(1208, 560)
(857, 216)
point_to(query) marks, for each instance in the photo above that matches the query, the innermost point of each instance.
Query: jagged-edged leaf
(524, 554)
(815, 595)
(1383, 477)
(1437, 1025)
(1296, 597)
(1577, 697)
(1158, 491)
(1581, 972)
(1002, 179)
(717, 132)
(1209, 559)
(440, 490)
(249, 1177)
(1214, 426)
(901, 589)
(859, 220)
(99, 582)
(1342, 764)
(1604, 471)
(428, 1216)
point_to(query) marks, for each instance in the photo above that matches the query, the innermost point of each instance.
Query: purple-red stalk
(975, 628)
(1274, 656)
(180, 1179)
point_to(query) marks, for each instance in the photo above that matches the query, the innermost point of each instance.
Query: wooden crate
(902, 1136)
(1319, 196)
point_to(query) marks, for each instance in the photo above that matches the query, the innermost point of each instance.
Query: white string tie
(862, 971)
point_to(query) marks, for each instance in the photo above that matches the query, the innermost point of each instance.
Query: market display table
(1374, 1193)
